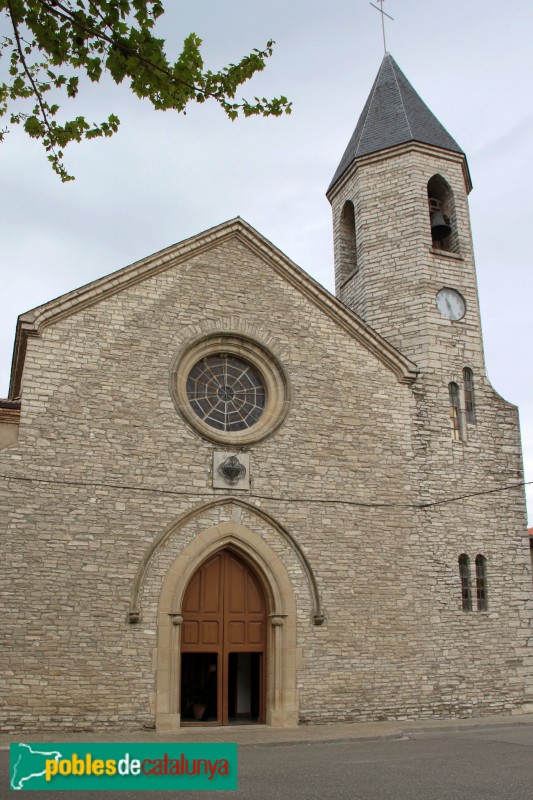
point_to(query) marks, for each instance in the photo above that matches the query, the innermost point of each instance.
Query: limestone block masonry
(358, 498)
(104, 464)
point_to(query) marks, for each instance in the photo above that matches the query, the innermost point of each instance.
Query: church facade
(227, 495)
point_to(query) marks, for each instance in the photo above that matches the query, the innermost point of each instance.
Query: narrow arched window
(481, 583)
(455, 409)
(531, 549)
(464, 574)
(468, 382)
(442, 215)
(348, 246)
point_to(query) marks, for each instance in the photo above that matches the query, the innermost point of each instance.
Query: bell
(439, 227)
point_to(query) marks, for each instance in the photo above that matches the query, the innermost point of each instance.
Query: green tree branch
(113, 36)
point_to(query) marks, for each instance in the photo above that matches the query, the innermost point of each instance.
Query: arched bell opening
(442, 215)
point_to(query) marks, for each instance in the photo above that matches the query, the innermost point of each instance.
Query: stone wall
(398, 275)
(104, 464)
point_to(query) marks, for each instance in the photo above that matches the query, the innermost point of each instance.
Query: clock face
(451, 304)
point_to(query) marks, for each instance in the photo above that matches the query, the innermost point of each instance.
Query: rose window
(226, 392)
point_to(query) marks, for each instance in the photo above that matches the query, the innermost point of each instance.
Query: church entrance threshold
(223, 645)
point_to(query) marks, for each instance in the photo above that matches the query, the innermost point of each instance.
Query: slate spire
(393, 114)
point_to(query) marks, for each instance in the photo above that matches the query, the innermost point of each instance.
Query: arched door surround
(280, 695)
(235, 506)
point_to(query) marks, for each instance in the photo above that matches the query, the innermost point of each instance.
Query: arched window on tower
(468, 383)
(455, 412)
(481, 583)
(348, 247)
(442, 215)
(464, 574)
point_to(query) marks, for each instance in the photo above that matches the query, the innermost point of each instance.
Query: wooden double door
(223, 644)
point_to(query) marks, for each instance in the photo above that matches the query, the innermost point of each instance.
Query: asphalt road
(476, 764)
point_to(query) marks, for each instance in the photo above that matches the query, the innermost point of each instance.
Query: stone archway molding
(134, 613)
(281, 661)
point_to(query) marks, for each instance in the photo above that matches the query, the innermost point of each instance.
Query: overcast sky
(165, 177)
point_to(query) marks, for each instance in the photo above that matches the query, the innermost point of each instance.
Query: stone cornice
(33, 322)
(399, 150)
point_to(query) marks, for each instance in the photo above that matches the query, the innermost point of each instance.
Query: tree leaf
(54, 43)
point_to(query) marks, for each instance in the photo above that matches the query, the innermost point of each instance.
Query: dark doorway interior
(199, 687)
(244, 687)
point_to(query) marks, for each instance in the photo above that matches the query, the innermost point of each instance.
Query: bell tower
(403, 246)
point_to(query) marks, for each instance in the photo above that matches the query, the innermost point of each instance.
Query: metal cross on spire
(383, 15)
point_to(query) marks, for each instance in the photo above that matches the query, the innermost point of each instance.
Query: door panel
(210, 633)
(255, 602)
(224, 613)
(190, 633)
(212, 579)
(256, 633)
(203, 607)
(191, 601)
(236, 634)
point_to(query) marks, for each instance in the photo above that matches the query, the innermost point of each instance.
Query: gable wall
(113, 464)
(98, 380)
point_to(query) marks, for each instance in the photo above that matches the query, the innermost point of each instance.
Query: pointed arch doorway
(223, 644)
